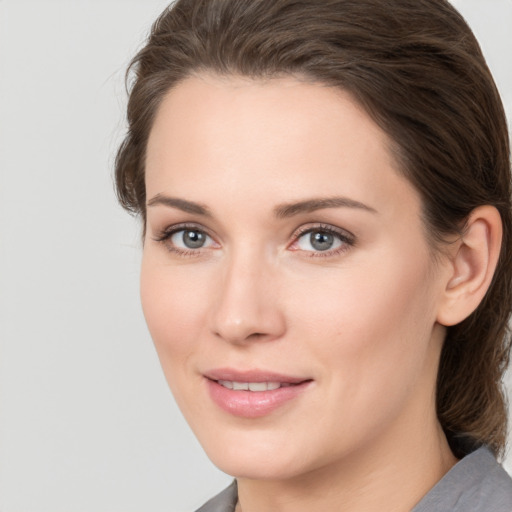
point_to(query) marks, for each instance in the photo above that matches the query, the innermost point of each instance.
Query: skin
(361, 322)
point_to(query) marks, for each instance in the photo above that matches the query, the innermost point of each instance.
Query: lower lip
(253, 404)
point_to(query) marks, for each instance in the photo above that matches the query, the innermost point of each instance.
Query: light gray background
(86, 420)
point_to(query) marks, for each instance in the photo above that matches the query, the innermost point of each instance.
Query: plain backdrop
(87, 423)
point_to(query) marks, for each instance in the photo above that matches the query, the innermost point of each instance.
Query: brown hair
(417, 69)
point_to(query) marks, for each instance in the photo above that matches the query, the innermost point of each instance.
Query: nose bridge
(246, 306)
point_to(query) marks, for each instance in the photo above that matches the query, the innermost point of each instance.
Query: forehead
(229, 133)
(231, 108)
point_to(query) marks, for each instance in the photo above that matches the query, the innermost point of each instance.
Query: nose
(247, 306)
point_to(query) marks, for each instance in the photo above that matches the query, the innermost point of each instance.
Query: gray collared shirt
(477, 483)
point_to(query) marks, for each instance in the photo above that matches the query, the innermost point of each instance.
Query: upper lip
(233, 375)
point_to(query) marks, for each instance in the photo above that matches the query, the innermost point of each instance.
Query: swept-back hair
(418, 71)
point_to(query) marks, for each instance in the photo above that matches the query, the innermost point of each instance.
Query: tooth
(251, 386)
(257, 386)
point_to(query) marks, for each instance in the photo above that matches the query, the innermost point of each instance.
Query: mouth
(253, 394)
(256, 387)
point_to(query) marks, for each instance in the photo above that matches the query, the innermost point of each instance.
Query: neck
(383, 472)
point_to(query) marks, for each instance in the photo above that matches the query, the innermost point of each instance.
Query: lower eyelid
(327, 254)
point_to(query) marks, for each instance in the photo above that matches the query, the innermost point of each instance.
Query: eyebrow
(180, 204)
(311, 205)
(282, 211)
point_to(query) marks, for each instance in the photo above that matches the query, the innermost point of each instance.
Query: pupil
(321, 241)
(193, 239)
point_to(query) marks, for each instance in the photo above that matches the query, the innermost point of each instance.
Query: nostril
(256, 335)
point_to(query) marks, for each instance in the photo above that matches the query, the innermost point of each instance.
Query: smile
(253, 394)
(253, 386)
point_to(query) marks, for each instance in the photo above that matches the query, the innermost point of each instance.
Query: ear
(471, 266)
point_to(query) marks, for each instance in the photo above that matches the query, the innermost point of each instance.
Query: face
(286, 279)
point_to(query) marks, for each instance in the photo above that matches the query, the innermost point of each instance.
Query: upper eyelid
(302, 230)
(308, 228)
(181, 226)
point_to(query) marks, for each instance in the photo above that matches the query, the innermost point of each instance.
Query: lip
(252, 376)
(253, 404)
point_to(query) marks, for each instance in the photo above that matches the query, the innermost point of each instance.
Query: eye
(322, 240)
(185, 240)
(318, 241)
(190, 239)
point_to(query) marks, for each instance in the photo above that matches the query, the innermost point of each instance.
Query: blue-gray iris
(321, 241)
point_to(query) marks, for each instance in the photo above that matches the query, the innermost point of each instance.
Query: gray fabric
(475, 484)
(223, 502)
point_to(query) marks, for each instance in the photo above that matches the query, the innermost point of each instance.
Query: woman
(325, 194)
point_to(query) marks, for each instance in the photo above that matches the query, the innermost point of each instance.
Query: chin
(253, 458)
(256, 467)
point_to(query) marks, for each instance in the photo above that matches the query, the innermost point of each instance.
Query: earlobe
(471, 265)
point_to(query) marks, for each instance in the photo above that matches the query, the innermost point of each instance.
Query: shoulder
(475, 484)
(223, 502)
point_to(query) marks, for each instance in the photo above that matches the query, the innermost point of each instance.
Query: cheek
(371, 321)
(175, 310)
(370, 333)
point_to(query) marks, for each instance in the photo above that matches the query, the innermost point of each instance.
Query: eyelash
(347, 239)
(166, 234)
